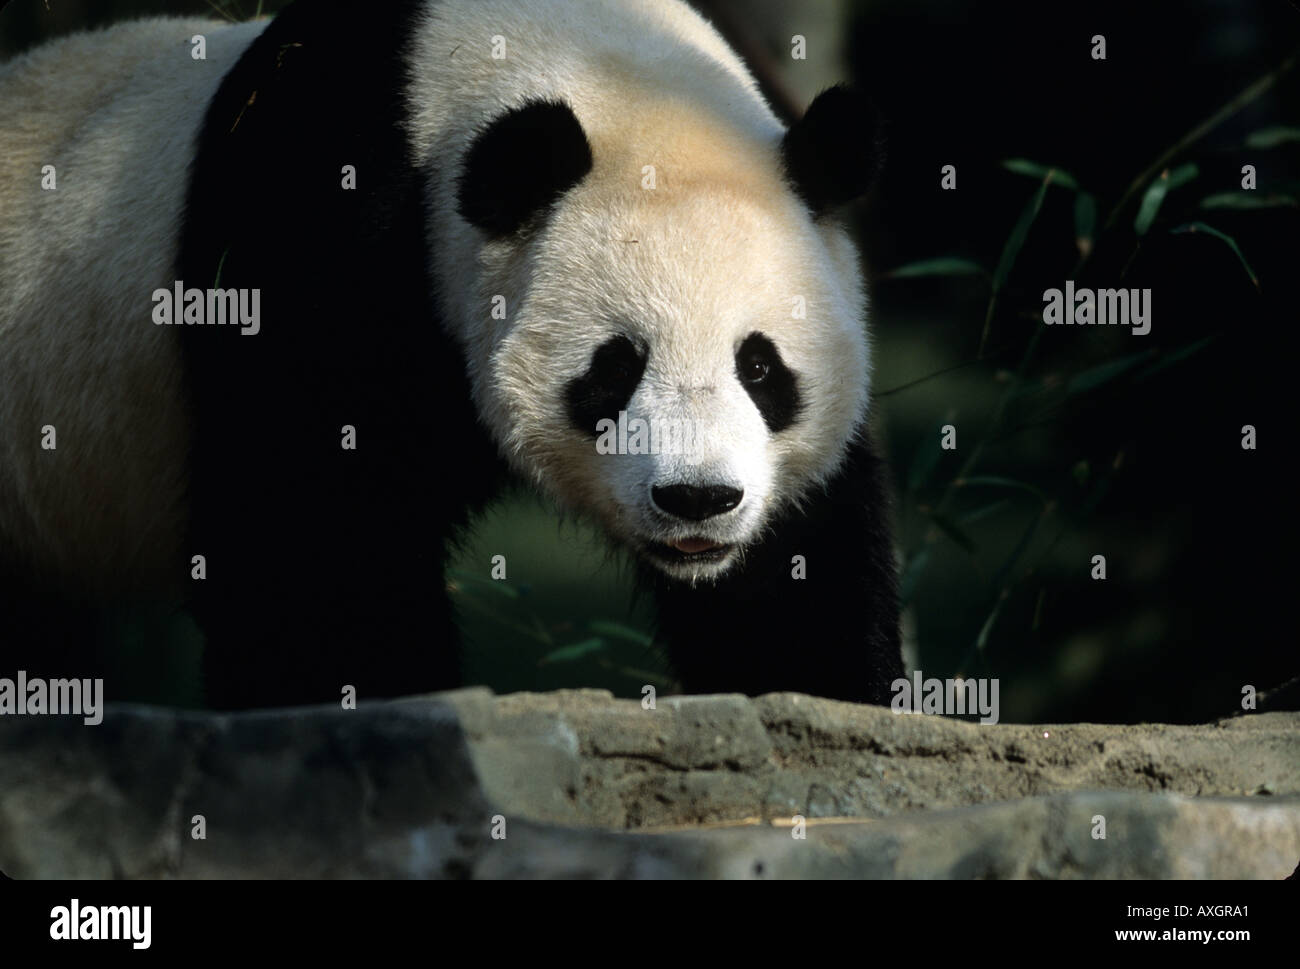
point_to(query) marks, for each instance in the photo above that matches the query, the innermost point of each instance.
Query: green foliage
(1247, 200)
(943, 266)
(1272, 137)
(237, 11)
(1099, 376)
(1226, 239)
(1155, 195)
(1019, 233)
(1085, 220)
(1048, 175)
(538, 629)
(1001, 545)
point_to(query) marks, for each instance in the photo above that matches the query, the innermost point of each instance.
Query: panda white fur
(607, 219)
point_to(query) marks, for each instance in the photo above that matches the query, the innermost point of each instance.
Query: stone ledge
(410, 789)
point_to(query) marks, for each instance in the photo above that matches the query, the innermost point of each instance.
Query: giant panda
(480, 233)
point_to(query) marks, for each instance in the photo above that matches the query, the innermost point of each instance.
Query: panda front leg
(321, 536)
(812, 607)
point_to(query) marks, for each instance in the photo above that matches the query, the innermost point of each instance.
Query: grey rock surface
(583, 785)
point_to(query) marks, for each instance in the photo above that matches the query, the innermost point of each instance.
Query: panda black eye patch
(771, 385)
(607, 386)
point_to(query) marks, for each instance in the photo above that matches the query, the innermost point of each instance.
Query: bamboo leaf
(997, 481)
(1183, 174)
(1106, 372)
(641, 676)
(953, 531)
(982, 639)
(567, 654)
(1247, 200)
(1085, 221)
(221, 265)
(496, 585)
(1016, 241)
(1272, 137)
(911, 576)
(1155, 195)
(979, 514)
(1169, 359)
(495, 615)
(999, 580)
(619, 631)
(923, 463)
(1231, 242)
(942, 266)
(1038, 610)
(1022, 166)
(1022, 546)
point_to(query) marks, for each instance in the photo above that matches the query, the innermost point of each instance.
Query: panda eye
(617, 364)
(754, 370)
(752, 363)
(624, 365)
(771, 384)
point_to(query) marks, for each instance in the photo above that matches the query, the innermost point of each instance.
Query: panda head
(682, 351)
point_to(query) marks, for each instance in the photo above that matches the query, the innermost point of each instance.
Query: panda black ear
(520, 163)
(833, 154)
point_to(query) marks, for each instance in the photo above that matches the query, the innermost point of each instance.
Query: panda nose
(696, 503)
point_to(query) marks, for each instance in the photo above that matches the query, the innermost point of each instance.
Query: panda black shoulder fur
(614, 187)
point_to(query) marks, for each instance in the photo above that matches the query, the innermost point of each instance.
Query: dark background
(1072, 441)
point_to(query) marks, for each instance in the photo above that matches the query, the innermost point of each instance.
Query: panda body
(603, 220)
(106, 507)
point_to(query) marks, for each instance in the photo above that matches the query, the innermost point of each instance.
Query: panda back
(116, 112)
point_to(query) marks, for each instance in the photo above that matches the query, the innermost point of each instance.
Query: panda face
(681, 364)
(682, 351)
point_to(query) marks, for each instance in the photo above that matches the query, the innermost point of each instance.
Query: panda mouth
(692, 549)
